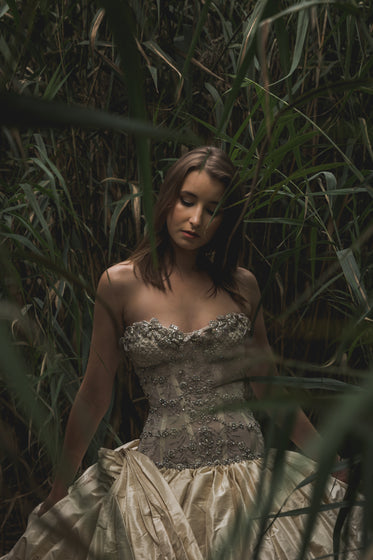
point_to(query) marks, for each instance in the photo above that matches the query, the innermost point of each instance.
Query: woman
(192, 323)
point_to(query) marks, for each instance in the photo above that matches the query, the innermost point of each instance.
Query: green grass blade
(23, 111)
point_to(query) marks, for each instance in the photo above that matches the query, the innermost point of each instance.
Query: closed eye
(190, 203)
(187, 203)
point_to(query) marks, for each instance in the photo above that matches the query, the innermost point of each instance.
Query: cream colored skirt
(124, 508)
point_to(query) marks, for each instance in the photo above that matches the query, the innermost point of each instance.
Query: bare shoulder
(246, 281)
(117, 282)
(247, 286)
(249, 289)
(119, 275)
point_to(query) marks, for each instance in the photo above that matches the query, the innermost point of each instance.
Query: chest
(188, 306)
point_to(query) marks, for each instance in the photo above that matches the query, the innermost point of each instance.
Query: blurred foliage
(287, 91)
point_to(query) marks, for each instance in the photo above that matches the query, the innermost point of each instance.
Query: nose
(195, 217)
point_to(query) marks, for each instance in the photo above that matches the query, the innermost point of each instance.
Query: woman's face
(190, 222)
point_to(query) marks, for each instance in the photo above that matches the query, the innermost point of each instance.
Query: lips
(190, 234)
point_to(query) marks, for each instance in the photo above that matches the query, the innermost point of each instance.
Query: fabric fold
(125, 508)
(155, 522)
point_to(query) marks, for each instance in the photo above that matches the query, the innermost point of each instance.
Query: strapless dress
(198, 484)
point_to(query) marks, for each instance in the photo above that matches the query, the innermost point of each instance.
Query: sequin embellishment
(198, 415)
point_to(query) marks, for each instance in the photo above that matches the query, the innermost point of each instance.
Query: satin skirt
(124, 507)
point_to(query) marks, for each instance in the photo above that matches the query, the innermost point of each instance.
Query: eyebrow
(195, 196)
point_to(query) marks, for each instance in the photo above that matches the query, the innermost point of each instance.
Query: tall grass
(287, 92)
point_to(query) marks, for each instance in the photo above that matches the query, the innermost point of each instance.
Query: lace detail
(189, 379)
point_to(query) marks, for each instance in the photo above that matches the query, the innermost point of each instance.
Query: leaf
(14, 374)
(301, 34)
(35, 206)
(165, 57)
(26, 111)
(352, 274)
(120, 206)
(193, 43)
(217, 100)
(246, 57)
(55, 83)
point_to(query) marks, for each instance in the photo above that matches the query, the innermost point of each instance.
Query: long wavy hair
(221, 255)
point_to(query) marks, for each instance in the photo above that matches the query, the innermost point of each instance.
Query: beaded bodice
(193, 381)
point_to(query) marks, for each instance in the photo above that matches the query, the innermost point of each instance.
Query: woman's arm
(94, 395)
(262, 359)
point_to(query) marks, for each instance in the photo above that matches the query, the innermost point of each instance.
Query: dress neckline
(172, 327)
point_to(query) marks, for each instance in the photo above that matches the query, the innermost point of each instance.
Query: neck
(185, 261)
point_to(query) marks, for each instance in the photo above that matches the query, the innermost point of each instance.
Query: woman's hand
(343, 474)
(56, 494)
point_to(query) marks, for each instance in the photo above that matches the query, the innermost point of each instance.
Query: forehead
(202, 185)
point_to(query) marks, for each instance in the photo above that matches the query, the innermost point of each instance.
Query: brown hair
(217, 258)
